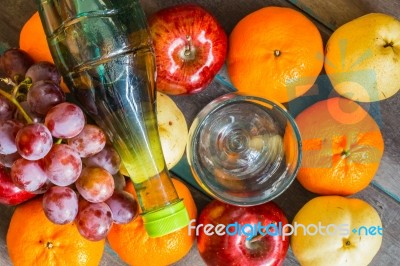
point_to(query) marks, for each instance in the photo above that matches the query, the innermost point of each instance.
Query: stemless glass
(244, 150)
(104, 51)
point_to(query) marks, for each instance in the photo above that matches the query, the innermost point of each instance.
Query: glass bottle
(104, 52)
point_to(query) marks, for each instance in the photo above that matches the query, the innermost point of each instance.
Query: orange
(133, 245)
(275, 53)
(342, 147)
(33, 240)
(32, 40)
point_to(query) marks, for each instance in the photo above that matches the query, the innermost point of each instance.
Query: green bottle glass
(104, 52)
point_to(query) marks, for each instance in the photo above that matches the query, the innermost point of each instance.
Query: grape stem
(8, 81)
(16, 103)
(27, 83)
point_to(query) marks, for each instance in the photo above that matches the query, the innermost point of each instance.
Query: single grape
(7, 109)
(95, 184)
(8, 131)
(43, 70)
(108, 158)
(44, 95)
(94, 221)
(28, 175)
(36, 118)
(119, 181)
(7, 160)
(33, 141)
(60, 204)
(90, 141)
(65, 120)
(124, 207)
(14, 63)
(63, 165)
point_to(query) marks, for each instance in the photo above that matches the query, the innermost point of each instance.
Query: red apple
(10, 194)
(251, 244)
(190, 47)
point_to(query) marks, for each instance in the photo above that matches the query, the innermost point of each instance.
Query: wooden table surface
(383, 193)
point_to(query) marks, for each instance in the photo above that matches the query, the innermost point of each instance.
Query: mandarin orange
(275, 53)
(32, 39)
(133, 245)
(33, 240)
(342, 147)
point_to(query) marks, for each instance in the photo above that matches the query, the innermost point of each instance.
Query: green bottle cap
(166, 220)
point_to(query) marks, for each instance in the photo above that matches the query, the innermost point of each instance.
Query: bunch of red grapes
(50, 149)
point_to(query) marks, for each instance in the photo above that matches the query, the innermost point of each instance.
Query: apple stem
(389, 44)
(188, 46)
(8, 81)
(256, 238)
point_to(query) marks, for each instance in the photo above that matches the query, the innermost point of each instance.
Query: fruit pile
(274, 52)
(47, 147)
(278, 53)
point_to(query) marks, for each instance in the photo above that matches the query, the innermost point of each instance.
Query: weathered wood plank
(12, 18)
(228, 13)
(336, 13)
(5, 216)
